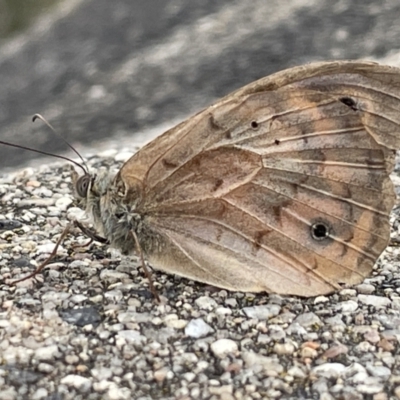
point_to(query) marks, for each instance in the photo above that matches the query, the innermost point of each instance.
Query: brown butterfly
(282, 186)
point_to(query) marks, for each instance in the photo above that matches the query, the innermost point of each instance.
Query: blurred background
(116, 70)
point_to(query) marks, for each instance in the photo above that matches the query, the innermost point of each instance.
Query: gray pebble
(329, 370)
(197, 328)
(308, 319)
(78, 382)
(206, 303)
(376, 301)
(263, 312)
(47, 353)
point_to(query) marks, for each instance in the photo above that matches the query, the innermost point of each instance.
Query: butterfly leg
(145, 269)
(49, 258)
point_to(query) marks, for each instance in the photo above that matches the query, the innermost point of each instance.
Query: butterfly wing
(282, 186)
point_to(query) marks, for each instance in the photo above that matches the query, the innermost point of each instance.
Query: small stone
(284, 348)
(296, 329)
(369, 389)
(329, 370)
(219, 390)
(222, 347)
(231, 302)
(197, 328)
(78, 382)
(365, 288)
(48, 248)
(321, 299)
(347, 307)
(131, 336)
(397, 391)
(45, 368)
(47, 353)
(78, 298)
(206, 303)
(381, 396)
(263, 312)
(353, 370)
(8, 394)
(81, 316)
(63, 202)
(376, 301)
(335, 351)
(119, 393)
(379, 371)
(372, 336)
(39, 394)
(308, 352)
(271, 366)
(297, 372)
(308, 319)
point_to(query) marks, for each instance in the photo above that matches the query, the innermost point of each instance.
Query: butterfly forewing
(282, 186)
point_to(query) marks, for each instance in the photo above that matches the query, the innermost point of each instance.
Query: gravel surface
(88, 327)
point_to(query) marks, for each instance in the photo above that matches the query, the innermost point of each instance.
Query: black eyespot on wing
(349, 102)
(277, 141)
(254, 125)
(82, 185)
(320, 230)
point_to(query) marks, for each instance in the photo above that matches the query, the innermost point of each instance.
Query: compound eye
(82, 185)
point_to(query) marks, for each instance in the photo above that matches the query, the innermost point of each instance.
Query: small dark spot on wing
(349, 102)
(254, 125)
(168, 164)
(217, 184)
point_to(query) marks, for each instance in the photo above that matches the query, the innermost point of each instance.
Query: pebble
(263, 312)
(379, 371)
(206, 303)
(39, 394)
(284, 348)
(222, 347)
(347, 307)
(63, 202)
(307, 320)
(365, 288)
(78, 382)
(270, 365)
(369, 389)
(372, 300)
(173, 321)
(131, 336)
(197, 328)
(47, 353)
(329, 370)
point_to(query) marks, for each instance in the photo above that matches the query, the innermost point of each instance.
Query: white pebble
(263, 312)
(63, 202)
(78, 382)
(376, 301)
(47, 353)
(206, 303)
(131, 336)
(347, 306)
(222, 347)
(197, 328)
(329, 370)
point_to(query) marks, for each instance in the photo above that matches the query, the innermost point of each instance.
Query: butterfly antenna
(44, 120)
(18, 146)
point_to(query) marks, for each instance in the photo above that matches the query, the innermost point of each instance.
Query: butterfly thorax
(113, 215)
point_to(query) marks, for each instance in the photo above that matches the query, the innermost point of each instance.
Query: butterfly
(281, 187)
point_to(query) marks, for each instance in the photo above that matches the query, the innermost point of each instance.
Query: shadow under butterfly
(282, 186)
